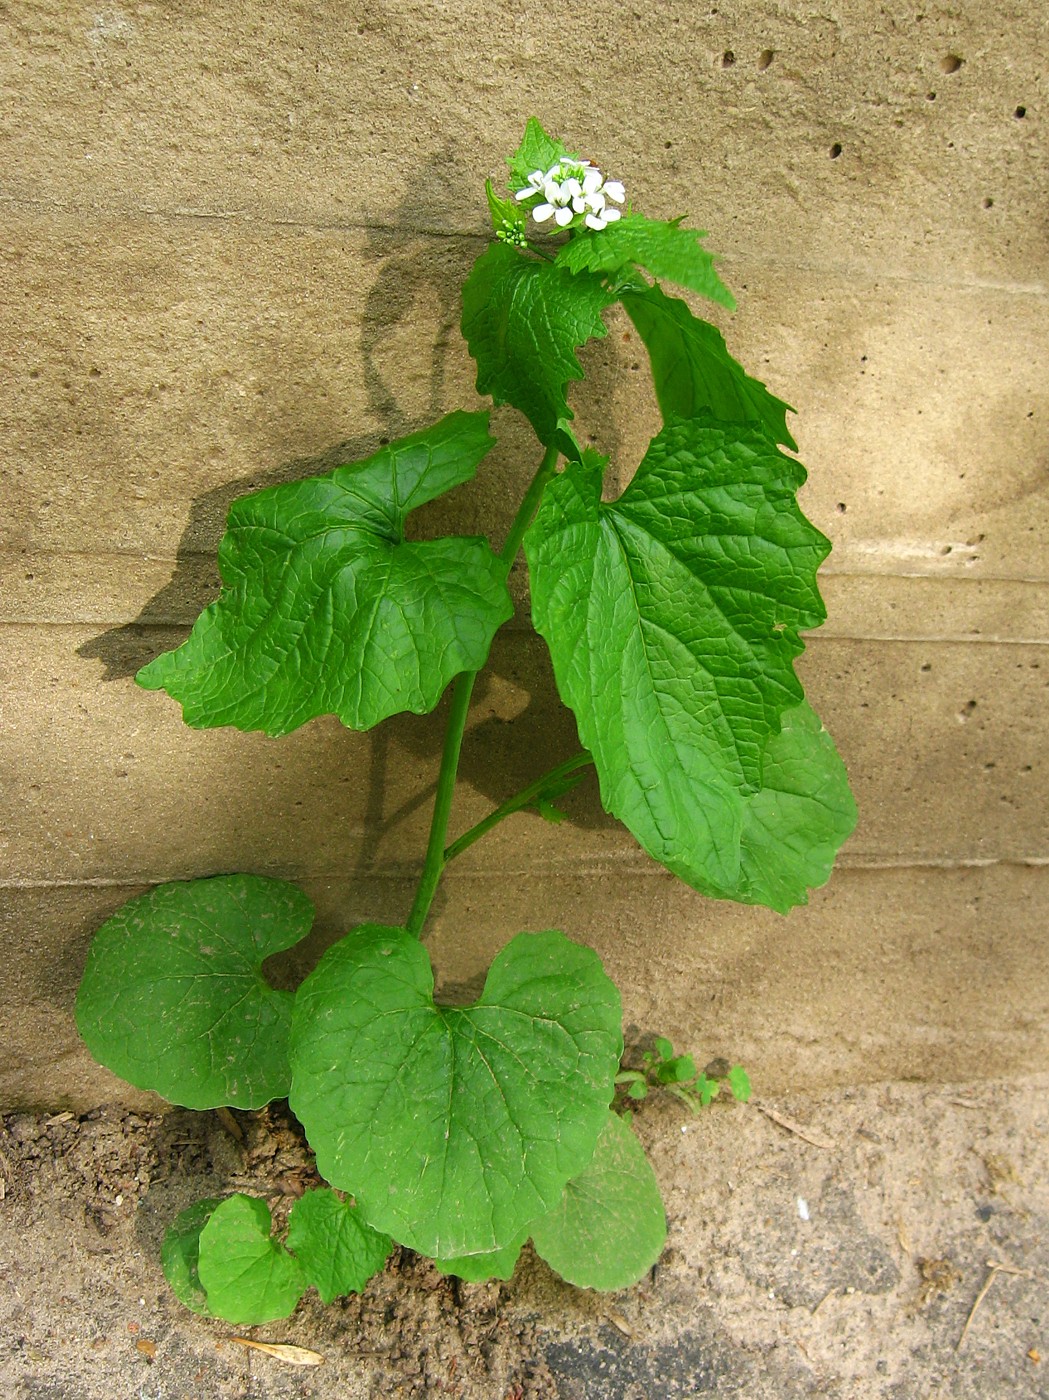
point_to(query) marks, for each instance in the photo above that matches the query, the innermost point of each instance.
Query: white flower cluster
(573, 187)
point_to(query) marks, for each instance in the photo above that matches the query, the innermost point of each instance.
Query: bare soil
(822, 1245)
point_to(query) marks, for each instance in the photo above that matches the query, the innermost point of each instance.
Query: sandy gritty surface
(820, 1245)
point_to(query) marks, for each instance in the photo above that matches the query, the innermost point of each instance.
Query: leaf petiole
(525, 798)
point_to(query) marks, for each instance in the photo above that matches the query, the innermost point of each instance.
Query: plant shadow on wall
(671, 610)
(419, 277)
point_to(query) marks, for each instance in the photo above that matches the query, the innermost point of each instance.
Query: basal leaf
(338, 1252)
(173, 997)
(609, 1227)
(180, 1255)
(793, 827)
(664, 249)
(454, 1127)
(537, 151)
(327, 609)
(249, 1277)
(693, 372)
(672, 616)
(523, 319)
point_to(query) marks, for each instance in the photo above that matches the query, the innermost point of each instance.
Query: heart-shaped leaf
(326, 609)
(338, 1252)
(609, 1227)
(248, 1276)
(454, 1127)
(694, 373)
(523, 319)
(672, 616)
(180, 1255)
(173, 997)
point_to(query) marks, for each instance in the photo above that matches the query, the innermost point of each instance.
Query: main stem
(462, 690)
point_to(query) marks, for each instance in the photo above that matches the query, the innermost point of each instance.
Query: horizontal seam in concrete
(256, 220)
(568, 871)
(25, 553)
(825, 634)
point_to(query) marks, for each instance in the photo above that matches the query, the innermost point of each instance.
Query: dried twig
(230, 1123)
(996, 1267)
(805, 1134)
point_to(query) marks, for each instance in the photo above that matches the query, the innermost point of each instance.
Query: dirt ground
(820, 1245)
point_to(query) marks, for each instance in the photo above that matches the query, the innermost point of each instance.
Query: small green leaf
(537, 151)
(664, 1049)
(338, 1252)
(693, 372)
(523, 319)
(248, 1276)
(638, 1090)
(739, 1083)
(707, 1089)
(664, 249)
(173, 997)
(610, 1226)
(453, 1127)
(476, 1268)
(673, 617)
(180, 1255)
(326, 609)
(508, 218)
(677, 1070)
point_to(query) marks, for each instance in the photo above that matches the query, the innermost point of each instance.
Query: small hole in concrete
(926, 665)
(765, 58)
(835, 150)
(1020, 113)
(988, 204)
(930, 97)
(728, 58)
(951, 63)
(842, 507)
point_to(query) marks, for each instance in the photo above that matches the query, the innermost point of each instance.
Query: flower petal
(591, 181)
(611, 215)
(595, 221)
(614, 189)
(563, 216)
(542, 212)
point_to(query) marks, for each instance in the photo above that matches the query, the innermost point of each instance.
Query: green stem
(524, 798)
(462, 690)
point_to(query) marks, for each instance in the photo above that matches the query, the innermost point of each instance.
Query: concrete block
(935, 975)
(874, 141)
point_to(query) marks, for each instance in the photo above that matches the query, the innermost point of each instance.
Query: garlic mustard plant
(673, 615)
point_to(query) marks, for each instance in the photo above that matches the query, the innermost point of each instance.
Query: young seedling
(677, 1074)
(673, 615)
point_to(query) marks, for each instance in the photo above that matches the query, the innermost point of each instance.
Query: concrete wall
(233, 236)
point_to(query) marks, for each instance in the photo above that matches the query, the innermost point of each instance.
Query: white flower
(572, 188)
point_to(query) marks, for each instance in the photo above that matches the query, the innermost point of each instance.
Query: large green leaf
(523, 319)
(338, 1252)
(793, 826)
(693, 371)
(672, 617)
(609, 1227)
(665, 249)
(475, 1268)
(454, 1127)
(173, 997)
(327, 609)
(248, 1276)
(180, 1255)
